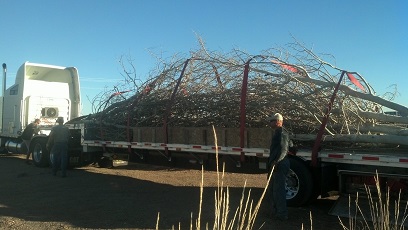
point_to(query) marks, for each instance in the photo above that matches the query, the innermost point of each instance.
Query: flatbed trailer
(313, 172)
(342, 171)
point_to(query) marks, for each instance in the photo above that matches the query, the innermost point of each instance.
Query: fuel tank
(15, 146)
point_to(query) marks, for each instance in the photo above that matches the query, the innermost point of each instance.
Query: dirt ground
(130, 197)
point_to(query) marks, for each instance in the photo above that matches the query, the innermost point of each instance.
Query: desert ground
(132, 196)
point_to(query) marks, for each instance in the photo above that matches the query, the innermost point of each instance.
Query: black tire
(105, 162)
(299, 183)
(40, 154)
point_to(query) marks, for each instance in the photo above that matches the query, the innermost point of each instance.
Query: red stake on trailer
(244, 90)
(319, 136)
(169, 105)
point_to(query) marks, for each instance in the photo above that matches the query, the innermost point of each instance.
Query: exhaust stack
(3, 93)
(4, 79)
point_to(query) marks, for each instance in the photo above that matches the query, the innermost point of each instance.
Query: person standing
(58, 144)
(28, 133)
(278, 158)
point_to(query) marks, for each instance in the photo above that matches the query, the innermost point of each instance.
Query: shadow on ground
(107, 201)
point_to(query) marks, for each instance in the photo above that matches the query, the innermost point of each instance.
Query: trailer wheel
(299, 183)
(40, 153)
(105, 162)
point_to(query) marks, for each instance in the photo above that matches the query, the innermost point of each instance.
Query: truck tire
(299, 183)
(105, 162)
(41, 156)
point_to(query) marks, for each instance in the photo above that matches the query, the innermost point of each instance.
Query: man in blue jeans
(58, 144)
(278, 158)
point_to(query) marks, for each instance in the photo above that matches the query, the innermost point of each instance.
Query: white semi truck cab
(40, 91)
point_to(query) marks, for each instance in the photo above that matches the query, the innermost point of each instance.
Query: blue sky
(369, 37)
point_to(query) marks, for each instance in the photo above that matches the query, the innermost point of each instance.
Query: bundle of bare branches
(206, 89)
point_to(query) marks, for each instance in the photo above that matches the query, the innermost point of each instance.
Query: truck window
(14, 90)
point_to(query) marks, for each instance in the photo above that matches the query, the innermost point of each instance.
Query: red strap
(355, 81)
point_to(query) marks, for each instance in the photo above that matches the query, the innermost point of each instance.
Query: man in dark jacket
(279, 160)
(58, 144)
(27, 134)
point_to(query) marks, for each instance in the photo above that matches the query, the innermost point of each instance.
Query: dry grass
(243, 218)
(381, 214)
(380, 217)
